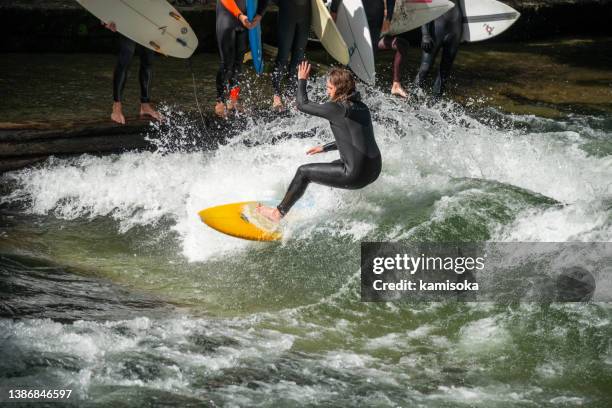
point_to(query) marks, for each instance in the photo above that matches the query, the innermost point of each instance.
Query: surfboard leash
(195, 91)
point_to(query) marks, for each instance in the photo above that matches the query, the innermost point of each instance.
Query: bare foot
(397, 90)
(270, 213)
(221, 110)
(117, 115)
(235, 105)
(277, 105)
(146, 109)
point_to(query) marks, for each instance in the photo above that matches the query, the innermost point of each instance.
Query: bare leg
(400, 46)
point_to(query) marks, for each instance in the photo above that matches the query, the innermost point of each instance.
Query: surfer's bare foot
(117, 114)
(277, 105)
(147, 110)
(397, 90)
(270, 213)
(221, 110)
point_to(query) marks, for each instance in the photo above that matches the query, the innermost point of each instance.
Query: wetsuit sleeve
(334, 6)
(390, 8)
(328, 147)
(329, 111)
(232, 7)
(262, 6)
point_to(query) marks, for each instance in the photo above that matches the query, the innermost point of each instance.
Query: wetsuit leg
(145, 73)
(240, 48)
(126, 52)
(375, 14)
(298, 52)
(286, 34)
(328, 174)
(449, 52)
(232, 43)
(401, 50)
(428, 58)
(225, 40)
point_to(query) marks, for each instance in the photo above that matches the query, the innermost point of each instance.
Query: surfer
(293, 29)
(127, 49)
(445, 32)
(360, 162)
(379, 14)
(232, 40)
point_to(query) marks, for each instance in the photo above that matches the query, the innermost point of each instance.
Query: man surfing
(360, 161)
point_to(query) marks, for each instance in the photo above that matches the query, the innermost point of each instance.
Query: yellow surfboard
(240, 220)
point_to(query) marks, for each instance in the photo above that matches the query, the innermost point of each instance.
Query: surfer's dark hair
(344, 82)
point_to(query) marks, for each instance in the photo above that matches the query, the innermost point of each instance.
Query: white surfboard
(353, 25)
(324, 27)
(484, 19)
(154, 24)
(411, 14)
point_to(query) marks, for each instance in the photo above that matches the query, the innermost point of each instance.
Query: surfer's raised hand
(111, 26)
(315, 150)
(304, 70)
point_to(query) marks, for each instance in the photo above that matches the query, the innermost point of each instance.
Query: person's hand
(334, 16)
(304, 70)
(256, 21)
(427, 44)
(314, 150)
(245, 21)
(386, 26)
(111, 26)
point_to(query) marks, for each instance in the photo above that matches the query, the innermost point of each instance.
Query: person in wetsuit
(293, 29)
(379, 22)
(232, 40)
(444, 33)
(127, 48)
(360, 161)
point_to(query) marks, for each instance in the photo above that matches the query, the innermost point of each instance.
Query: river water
(124, 296)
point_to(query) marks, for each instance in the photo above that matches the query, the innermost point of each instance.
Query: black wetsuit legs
(292, 39)
(334, 174)
(127, 49)
(232, 44)
(293, 30)
(445, 32)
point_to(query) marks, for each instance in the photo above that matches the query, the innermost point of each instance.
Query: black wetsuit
(232, 40)
(375, 14)
(444, 32)
(360, 162)
(127, 48)
(293, 29)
